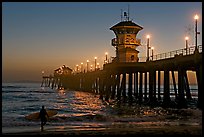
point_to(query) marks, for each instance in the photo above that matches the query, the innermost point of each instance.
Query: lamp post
(186, 38)
(95, 63)
(43, 73)
(106, 57)
(152, 48)
(82, 67)
(91, 67)
(77, 66)
(98, 67)
(148, 36)
(87, 65)
(196, 22)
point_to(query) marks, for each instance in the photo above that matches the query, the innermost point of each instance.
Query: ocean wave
(5, 87)
(85, 117)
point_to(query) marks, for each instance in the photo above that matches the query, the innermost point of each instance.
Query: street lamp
(106, 57)
(196, 22)
(186, 38)
(43, 73)
(148, 36)
(98, 67)
(77, 66)
(82, 67)
(152, 48)
(95, 63)
(87, 65)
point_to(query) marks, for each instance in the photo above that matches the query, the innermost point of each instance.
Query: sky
(42, 36)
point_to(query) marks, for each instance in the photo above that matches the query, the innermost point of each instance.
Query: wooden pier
(110, 83)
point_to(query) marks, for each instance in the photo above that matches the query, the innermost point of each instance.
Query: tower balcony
(115, 42)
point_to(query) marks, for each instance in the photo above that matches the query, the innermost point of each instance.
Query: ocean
(82, 110)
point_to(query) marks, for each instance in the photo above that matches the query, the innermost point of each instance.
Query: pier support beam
(140, 87)
(101, 87)
(118, 87)
(181, 100)
(145, 86)
(136, 85)
(130, 87)
(186, 86)
(124, 87)
(151, 79)
(108, 87)
(166, 92)
(174, 84)
(113, 86)
(159, 82)
(199, 81)
(42, 82)
(96, 86)
(154, 86)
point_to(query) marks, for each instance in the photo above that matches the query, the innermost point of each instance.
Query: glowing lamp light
(196, 17)
(148, 36)
(186, 38)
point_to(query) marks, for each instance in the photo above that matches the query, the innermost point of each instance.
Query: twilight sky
(43, 36)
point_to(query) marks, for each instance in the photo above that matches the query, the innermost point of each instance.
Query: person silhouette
(42, 115)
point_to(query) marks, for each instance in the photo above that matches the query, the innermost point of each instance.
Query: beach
(120, 129)
(125, 125)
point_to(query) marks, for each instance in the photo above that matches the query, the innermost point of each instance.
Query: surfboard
(35, 115)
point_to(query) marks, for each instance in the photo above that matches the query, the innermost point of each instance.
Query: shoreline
(115, 129)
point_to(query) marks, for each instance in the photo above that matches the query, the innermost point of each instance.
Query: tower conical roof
(126, 23)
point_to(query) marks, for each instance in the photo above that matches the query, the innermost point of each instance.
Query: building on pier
(126, 41)
(63, 70)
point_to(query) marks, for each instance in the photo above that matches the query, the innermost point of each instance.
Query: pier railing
(171, 54)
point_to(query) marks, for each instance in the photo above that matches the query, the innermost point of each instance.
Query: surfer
(43, 118)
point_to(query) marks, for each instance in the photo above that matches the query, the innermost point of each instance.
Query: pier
(127, 79)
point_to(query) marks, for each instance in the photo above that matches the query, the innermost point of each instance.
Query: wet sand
(116, 129)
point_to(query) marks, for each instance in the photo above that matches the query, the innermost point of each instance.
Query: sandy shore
(120, 129)
(182, 122)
